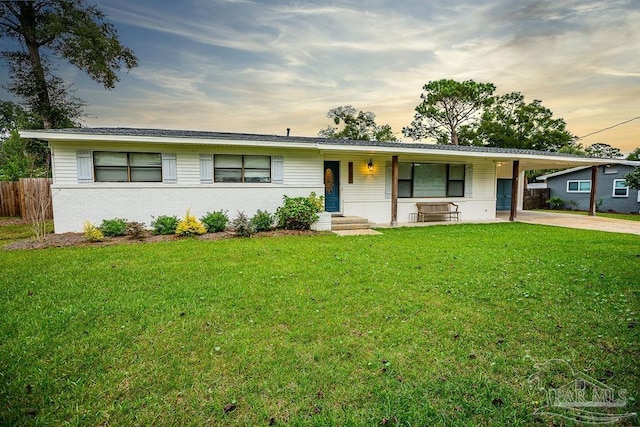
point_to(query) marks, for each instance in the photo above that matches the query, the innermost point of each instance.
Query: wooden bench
(437, 211)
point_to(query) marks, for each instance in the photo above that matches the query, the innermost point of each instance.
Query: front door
(503, 195)
(332, 186)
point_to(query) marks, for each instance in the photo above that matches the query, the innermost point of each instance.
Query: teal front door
(503, 195)
(332, 186)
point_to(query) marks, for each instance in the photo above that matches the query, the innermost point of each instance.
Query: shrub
(92, 233)
(298, 213)
(242, 226)
(555, 202)
(190, 226)
(262, 221)
(317, 201)
(215, 222)
(113, 227)
(135, 230)
(165, 224)
(573, 204)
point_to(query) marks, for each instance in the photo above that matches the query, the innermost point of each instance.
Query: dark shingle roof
(169, 133)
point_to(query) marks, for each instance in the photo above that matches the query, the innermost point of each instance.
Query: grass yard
(434, 325)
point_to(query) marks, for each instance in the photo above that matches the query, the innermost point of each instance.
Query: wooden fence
(26, 198)
(536, 198)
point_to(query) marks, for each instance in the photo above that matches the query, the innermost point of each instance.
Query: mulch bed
(77, 239)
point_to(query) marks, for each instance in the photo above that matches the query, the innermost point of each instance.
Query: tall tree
(72, 30)
(603, 151)
(357, 125)
(510, 122)
(448, 109)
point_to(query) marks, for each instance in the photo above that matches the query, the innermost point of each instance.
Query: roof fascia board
(369, 149)
(69, 137)
(453, 153)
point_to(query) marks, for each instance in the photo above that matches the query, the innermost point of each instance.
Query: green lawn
(628, 217)
(435, 325)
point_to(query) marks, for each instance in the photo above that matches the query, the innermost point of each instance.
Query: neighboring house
(612, 192)
(141, 173)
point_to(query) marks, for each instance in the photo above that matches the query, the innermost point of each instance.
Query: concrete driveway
(580, 221)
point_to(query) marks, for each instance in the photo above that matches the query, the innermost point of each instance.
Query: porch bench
(437, 211)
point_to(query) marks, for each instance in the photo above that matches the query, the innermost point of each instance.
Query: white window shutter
(277, 169)
(169, 168)
(387, 181)
(206, 168)
(468, 181)
(85, 166)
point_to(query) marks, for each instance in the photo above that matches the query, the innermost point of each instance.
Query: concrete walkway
(579, 221)
(534, 217)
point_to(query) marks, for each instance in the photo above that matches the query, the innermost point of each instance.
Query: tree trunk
(454, 137)
(27, 19)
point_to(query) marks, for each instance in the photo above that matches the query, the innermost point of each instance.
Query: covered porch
(510, 182)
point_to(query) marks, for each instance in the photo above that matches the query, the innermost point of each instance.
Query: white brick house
(140, 173)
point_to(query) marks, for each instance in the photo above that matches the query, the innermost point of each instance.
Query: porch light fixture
(370, 165)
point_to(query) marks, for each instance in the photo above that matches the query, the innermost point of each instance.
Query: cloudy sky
(263, 66)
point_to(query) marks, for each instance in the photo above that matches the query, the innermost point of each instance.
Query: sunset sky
(264, 66)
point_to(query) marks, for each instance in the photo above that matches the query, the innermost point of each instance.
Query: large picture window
(579, 186)
(127, 167)
(430, 180)
(239, 168)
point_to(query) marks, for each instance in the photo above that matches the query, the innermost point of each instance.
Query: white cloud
(264, 66)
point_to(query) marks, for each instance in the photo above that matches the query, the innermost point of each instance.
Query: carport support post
(394, 191)
(514, 190)
(592, 196)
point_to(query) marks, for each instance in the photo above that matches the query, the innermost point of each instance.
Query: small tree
(603, 151)
(357, 126)
(39, 204)
(634, 155)
(633, 179)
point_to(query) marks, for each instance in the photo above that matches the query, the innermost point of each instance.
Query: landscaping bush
(262, 221)
(92, 233)
(165, 224)
(113, 227)
(572, 205)
(135, 230)
(555, 202)
(215, 222)
(242, 226)
(190, 226)
(298, 213)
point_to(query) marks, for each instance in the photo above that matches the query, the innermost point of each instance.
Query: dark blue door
(332, 186)
(503, 195)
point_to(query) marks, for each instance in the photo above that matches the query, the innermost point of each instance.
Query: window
(430, 180)
(579, 186)
(237, 168)
(620, 188)
(127, 167)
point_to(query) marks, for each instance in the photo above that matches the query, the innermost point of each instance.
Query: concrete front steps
(341, 223)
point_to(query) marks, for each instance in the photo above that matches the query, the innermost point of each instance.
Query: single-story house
(573, 186)
(138, 174)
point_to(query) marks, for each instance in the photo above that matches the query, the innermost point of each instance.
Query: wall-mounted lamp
(499, 164)
(370, 165)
